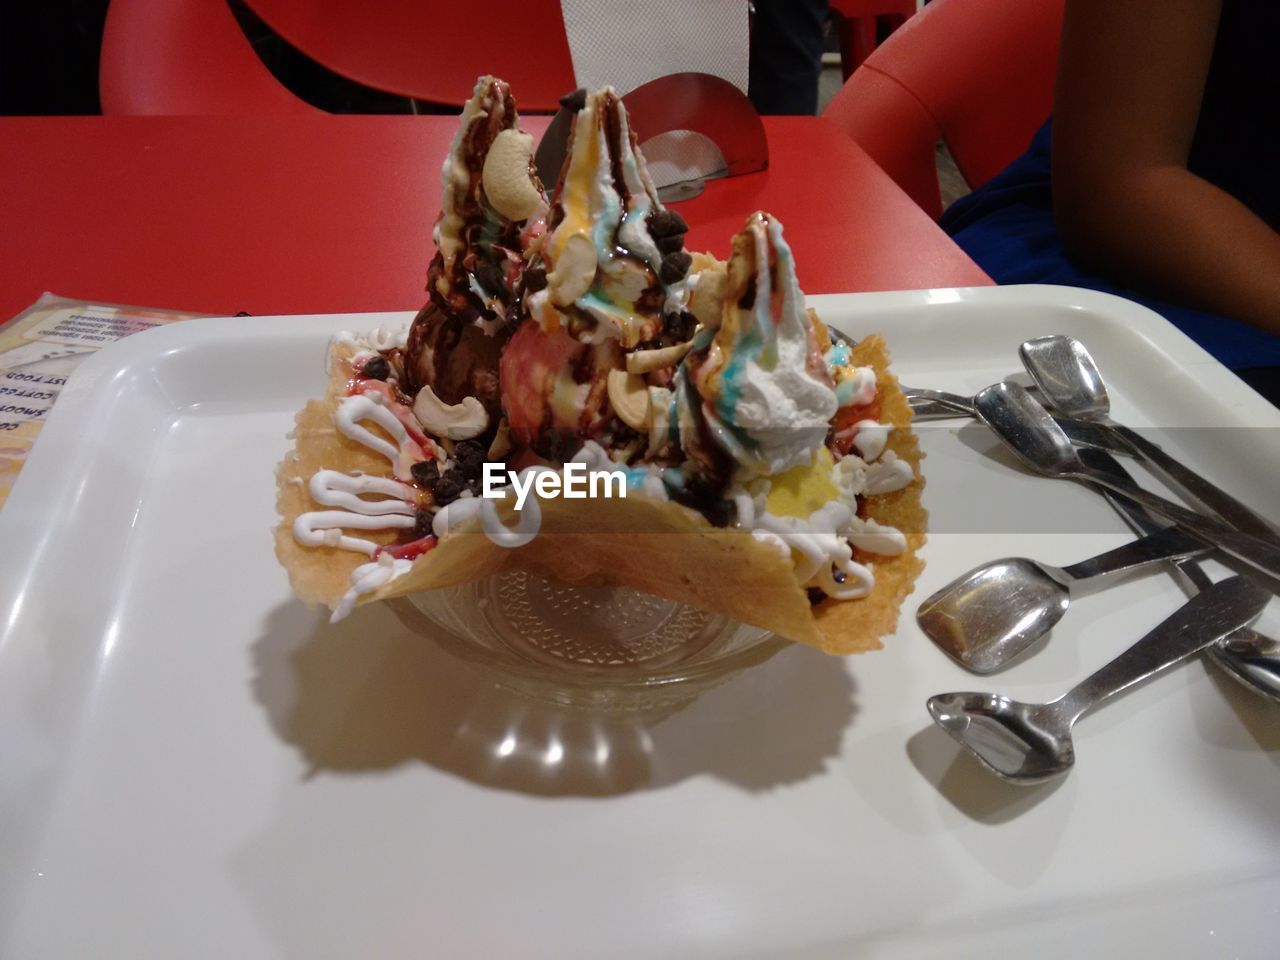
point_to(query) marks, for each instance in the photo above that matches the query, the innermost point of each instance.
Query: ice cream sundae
(770, 474)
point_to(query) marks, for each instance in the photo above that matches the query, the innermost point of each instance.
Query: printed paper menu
(39, 349)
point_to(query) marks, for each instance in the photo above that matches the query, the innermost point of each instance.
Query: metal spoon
(1247, 656)
(1028, 430)
(1250, 658)
(1070, 382)
(985, 618)
(1030, 742)
(937, 404)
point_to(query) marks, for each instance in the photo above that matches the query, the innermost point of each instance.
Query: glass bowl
(602, 648)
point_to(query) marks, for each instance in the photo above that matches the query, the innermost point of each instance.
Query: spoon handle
(1258, 553)
(922, 408)
(1212, 496)
(1203, 620)
(952, 403)
(1247, 656)
(1168, 544)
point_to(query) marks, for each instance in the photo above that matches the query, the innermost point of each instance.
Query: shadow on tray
(367, 694)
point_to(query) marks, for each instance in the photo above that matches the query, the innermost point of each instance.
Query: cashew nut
(507, 184)
(707, 300)
(575, 270)
(624, 279)
(629, 397)
(459, 421)
(646, 361)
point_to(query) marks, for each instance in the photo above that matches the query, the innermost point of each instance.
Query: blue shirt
(1007, 224)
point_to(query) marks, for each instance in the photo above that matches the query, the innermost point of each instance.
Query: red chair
(976, 74)
(433, 51)
(859, 24)
(191, 57)
(184, 57)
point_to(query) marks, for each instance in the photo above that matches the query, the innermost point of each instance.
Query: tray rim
(20, 528)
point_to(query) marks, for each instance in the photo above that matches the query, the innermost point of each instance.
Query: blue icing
(635, 476)
(605, 226)
(756, 341)
(844, 393)
(838, 355)
(593, 300)
(731, 385)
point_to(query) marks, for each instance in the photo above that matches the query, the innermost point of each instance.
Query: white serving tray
(192, 764)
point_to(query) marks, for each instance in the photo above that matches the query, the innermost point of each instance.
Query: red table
(334, 214)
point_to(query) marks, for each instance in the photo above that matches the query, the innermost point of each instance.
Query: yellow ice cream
(801, 491)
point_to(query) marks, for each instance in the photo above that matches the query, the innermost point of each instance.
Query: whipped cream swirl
(758, 379)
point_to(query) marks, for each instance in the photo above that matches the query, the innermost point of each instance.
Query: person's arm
(1131, 77)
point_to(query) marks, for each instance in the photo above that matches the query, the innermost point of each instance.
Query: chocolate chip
(705, 495)
(679, 327)
(574, 101)
(448, 488)
(671, 244)
(535, 279)
(719, 513)
(468, 451)
(491, 278)
(426, 473)
(666, 223)
(471, 470)
(422, 523)
(376, 368)
(675, 266)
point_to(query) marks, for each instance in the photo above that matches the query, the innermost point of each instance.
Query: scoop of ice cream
(757, 382)
(492, 215)
(804, 489)
(614, 279)
(613, 254)
(554, 389)
(455, 358)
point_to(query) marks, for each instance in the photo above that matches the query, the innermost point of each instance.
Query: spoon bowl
(1020, 742)
(989, 616)
(1066, 374)
(1026, 428)
(1069, 380)
(1031, 742)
